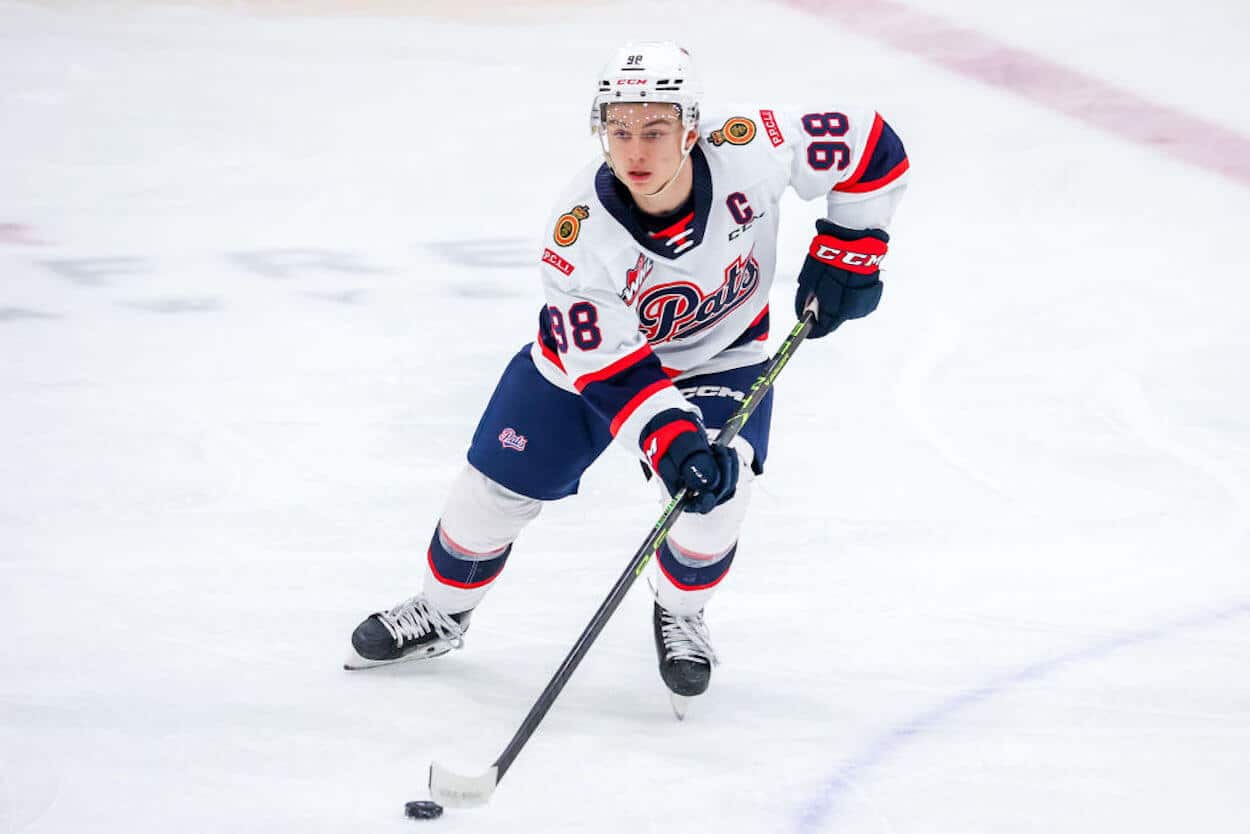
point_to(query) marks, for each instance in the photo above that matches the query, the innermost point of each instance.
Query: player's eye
(653, 135)
(622, 135)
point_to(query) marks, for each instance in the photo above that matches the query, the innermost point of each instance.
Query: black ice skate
(684, 649)
(412, 630)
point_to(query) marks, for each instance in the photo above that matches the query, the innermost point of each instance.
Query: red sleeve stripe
(894, 173)
(672, 372)
(655, 445)
(870, 147)
(615, 368)
(637, 400)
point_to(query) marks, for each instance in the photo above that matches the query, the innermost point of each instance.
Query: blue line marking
(819, 813)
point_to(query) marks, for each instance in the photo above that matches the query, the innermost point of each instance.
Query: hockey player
(656, 268)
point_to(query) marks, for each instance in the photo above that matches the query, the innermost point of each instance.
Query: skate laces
(687, 638)
(414, 618)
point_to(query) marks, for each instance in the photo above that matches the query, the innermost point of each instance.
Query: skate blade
(356, 663)
(679, 703)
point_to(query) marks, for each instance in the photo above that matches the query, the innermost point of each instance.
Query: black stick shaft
(644, 553)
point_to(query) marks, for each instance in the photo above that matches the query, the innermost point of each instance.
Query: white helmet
(646, 71)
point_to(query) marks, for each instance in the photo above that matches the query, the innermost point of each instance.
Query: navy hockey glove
(676, 444)
(842, 270)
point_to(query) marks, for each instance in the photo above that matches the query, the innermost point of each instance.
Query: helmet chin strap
(684, 156)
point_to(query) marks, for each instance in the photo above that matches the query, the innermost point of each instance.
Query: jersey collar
(679, 238)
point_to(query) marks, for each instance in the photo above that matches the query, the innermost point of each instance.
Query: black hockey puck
(422, 809)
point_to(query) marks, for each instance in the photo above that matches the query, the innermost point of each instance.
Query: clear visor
(633, 115)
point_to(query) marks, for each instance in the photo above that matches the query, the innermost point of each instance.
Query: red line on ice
(1084, 97)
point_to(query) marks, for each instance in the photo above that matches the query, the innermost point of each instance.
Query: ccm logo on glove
(863, 256)
(842, 270)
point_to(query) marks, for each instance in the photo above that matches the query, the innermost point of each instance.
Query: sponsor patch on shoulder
(736, 131)
(769, 120)
(569, 225)
(559, 263)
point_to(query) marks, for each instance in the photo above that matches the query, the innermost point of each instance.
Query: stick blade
(456, 791)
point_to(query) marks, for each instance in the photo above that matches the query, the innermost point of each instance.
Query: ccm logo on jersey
(559, 263)
(769, 120)
(862, 256)
(711, 391)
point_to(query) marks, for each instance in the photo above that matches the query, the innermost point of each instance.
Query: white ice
(260, 270)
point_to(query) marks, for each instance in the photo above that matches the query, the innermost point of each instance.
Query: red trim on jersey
(662, 438)
(870, 147)
(612, 370)
(549, 354)
(895, 172)
(673, 579)
(763, 337)
(675, 229)
(632, 406)
(429, 555)
(672, 372)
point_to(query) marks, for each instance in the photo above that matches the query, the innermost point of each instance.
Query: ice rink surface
(261, 266)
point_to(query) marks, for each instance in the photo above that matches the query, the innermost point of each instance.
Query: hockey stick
(454, 790)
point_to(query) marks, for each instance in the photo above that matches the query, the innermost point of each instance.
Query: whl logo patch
(680, 309)
(635, 278)
(509, 439)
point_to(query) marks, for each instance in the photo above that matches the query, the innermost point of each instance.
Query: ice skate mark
(18, 313)
(487, 253)
(979, 57)
(821, 812)
(340, 297)
(1132, 409)
(18, 234)
(911, 393)
(177, 305)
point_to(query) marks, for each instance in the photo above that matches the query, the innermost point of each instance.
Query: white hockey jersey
(629, 310)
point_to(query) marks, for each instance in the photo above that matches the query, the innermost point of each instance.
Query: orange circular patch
(567, 229)
(739, 131)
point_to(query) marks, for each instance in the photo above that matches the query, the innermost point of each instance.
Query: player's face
(646, 143)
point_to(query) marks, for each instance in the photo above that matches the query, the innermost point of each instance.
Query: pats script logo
(680, 309)
(509, 439)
